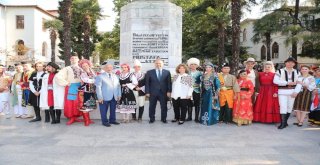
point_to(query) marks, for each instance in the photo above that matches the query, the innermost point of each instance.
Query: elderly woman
(88, 90)
(127, 102)
(266, 108)
(303, 94)
(242, 112)
(181, 93)
(210, 87)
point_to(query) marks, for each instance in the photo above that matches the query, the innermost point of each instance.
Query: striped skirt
(303, 101)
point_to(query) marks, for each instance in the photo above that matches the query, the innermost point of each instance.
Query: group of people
(215, 95)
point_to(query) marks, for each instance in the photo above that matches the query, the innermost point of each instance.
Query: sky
(106, 24)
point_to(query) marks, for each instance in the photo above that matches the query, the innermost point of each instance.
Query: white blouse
(309, 81)
(182, 86)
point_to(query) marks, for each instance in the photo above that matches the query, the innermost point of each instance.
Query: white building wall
(284, 50)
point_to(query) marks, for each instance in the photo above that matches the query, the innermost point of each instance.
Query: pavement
(24, 143)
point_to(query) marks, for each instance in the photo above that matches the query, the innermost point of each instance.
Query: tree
(235, 16)
(53, 26)
(266, 26)
(65, 16)
(86, 12)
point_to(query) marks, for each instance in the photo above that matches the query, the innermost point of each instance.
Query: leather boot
(287, 118)
(283, 121)
(197, 109)
(134, 116)
(53, 116)
(47, 116)
(141, 109)
(37, 113)
(86, 119)
(189, 113)
(58, 115)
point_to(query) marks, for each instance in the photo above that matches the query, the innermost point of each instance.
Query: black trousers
(162, 97)
(180, 107)
(196, 100)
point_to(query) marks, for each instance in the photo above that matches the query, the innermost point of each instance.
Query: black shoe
(115, 123)
(47, 116)
(188, 119)
(181, 122)
(283, 121)
(35, 120)
(164, 121)
(197, 121)
(174, 120)
(151, 121)
(53, 116)
(107, 125)
(58, 114)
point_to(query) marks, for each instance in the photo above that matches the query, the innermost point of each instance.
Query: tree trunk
(221, 35)
(86, 37)
(295, 21)
(268, 41)
(53, 38)
(235, 16)
(67, 30)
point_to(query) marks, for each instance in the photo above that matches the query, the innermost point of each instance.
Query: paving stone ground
(135, 143)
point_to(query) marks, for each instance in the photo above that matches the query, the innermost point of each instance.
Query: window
(44, 49)
(263, 52)
(275, 50)
(20, 21)
(244, 36)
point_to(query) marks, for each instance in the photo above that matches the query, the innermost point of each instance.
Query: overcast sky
(106, 24)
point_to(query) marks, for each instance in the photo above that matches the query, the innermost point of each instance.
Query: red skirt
(71, 107)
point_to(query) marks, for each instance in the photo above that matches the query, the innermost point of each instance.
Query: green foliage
(53, 24)
(85, 14)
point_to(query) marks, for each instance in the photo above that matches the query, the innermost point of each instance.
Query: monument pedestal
(150, 30)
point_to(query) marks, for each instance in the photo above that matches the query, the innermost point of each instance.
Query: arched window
(307, 48)
(263, 53)
(244, 35)
(275, 50)
(44, 49)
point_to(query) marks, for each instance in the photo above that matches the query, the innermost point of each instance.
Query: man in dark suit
(158, 87)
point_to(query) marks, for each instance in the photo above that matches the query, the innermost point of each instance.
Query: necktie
(109, 75)
(159, 74)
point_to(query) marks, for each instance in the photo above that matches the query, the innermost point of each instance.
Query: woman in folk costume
(88, 90)
(69, 78)
(50, 94)
(139, 90)
(5, 82)
(229, 87)
(35, 83)
(266, 108)
(314, 115)
(16, 93)
(210, 87)
(303, 94)
(181, 93)
(242, 112)
(127, 103)
(193, 64)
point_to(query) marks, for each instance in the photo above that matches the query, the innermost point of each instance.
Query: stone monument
(151, 29)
